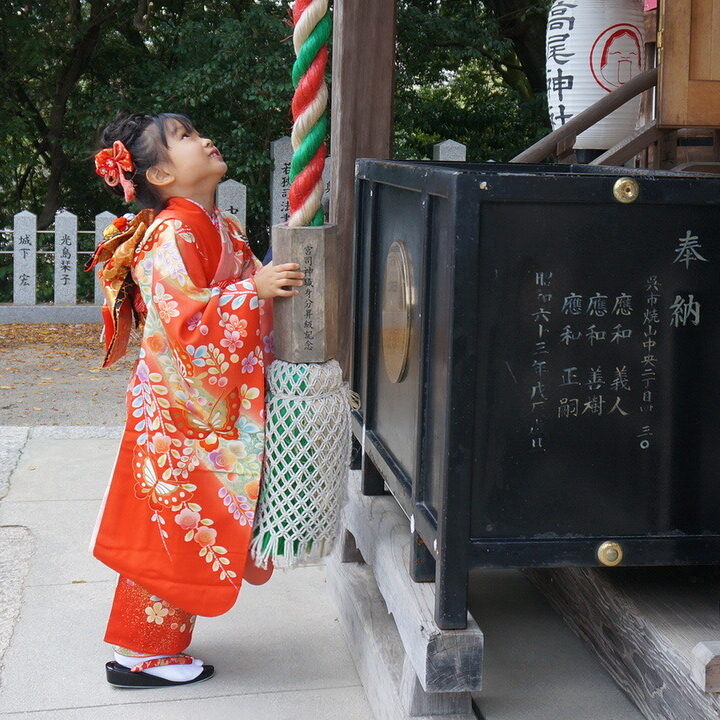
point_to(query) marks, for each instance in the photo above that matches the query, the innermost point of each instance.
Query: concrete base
(10, 313)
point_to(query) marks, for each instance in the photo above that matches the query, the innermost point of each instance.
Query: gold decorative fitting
(610, 553)
(626, 190)
(397, 302)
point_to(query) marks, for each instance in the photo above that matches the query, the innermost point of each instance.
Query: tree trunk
(526, 31)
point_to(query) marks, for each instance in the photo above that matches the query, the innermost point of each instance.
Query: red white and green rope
(311, 31)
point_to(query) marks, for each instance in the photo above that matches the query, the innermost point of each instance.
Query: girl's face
(193, 161)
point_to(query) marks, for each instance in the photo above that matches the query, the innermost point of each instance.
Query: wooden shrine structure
(656, 631)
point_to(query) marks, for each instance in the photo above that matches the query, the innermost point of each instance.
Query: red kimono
(178, 512)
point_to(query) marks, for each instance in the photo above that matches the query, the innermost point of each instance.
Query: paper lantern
(593, 47)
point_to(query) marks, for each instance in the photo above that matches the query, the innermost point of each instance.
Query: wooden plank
(673, 62)
(389, 680)
(361, 124)
(705, 40)
(643, 624)
(703, 108)
(689, 64)
(647, 100)
(444, 660)
(699, 166)
(619, 154)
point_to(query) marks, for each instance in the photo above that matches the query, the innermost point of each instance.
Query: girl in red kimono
(176, 520)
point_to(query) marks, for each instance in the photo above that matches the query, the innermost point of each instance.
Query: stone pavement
(279, 653)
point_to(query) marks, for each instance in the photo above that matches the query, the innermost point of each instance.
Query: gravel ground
(51, 375)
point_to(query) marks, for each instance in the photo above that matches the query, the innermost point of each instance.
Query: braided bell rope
(311, 31)
(308, 436)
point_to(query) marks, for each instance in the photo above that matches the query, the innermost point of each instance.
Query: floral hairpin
(112, 164)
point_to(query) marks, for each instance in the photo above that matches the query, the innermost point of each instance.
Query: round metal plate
(397, 301)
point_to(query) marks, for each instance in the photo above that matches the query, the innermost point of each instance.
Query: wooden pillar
(361, 125)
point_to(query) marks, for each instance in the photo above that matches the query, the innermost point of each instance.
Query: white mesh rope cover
(307, 459)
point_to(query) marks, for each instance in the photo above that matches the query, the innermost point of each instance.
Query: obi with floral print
(178, 513)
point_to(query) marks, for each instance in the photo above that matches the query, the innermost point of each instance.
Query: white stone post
(65, 258)
(232, 197)
(281, 154)
(24, 258)
(449, 150)
(101, 222)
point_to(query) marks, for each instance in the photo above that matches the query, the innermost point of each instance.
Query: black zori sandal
(134, 677)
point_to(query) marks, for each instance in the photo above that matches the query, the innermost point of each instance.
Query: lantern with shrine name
(592, 48)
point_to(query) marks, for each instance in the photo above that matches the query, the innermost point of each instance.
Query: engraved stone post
(326, 190)
(24, 258)
(101, 222)
(65, 258)
(305, 325)
(449, 150)
(232, 198)
(281, 154)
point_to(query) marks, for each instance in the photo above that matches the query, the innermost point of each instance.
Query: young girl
(177, 517)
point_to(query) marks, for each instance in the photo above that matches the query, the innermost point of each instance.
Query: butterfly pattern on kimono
(178, 513)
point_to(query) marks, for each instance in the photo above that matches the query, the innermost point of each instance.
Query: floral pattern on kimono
(178, 513)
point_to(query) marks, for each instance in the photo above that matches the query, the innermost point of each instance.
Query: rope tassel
(308, 445)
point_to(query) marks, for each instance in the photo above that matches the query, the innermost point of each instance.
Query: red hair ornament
(112, 164)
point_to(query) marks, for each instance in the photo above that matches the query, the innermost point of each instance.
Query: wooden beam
(445, 661)
(387, 675)
(582, 121)
(361, 125)
(644, 625)
(689, 63)
(699, 166)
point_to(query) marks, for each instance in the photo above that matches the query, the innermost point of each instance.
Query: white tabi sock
(174, 673)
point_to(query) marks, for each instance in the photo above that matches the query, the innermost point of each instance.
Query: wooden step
(536, 668)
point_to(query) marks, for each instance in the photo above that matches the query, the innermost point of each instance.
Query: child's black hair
(145, 138)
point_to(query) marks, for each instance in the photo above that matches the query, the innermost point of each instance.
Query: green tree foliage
(473, 72)
(225, 64)
(465, 70)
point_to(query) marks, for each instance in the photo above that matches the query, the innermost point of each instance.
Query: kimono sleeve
(214, 332)
(250, 264)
